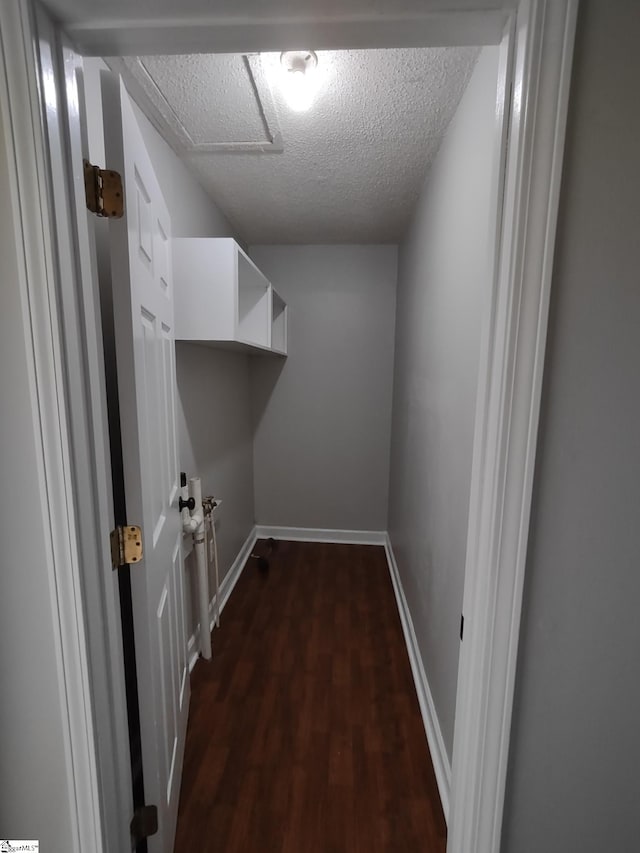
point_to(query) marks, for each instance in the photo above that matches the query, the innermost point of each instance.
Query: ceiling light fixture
(298, 78)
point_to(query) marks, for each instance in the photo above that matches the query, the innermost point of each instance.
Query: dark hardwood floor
(305, 734)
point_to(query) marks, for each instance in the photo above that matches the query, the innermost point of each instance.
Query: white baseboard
(226, 588)
(317, 534)
(441, 763)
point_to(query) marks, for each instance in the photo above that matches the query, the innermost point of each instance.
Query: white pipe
(195, 523)
(213, 556)
(215, 562)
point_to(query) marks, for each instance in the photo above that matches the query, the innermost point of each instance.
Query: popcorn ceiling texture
(349, 170)
(209, 95)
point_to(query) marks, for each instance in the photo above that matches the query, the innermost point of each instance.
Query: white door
(144, 338)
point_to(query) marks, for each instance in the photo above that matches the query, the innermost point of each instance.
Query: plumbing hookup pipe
(193, 523)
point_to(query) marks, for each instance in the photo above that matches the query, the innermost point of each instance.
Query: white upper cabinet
(222, 298)
(278, 324)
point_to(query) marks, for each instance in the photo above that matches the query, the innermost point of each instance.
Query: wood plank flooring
(305, 734)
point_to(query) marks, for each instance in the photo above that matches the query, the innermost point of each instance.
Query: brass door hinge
(144, 823)
(103, 191)
(126, 545)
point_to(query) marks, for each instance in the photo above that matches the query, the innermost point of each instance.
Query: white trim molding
(90, 452)
(471, 22)
(437, 748)
(53, 497)
(321, 534)
(539, 42)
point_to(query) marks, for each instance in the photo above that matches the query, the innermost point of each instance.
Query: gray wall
(216, 438)
(323, 416)
(443, 279)
(34, 775)
(573, 783)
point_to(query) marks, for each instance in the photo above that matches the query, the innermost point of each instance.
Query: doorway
(506, 357)
(343, 302)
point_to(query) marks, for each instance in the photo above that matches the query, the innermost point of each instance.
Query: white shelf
(222, 299)
(279, 313)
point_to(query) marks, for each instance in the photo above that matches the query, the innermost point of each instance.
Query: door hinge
(144, 823)
(126, 545)
(103, 191)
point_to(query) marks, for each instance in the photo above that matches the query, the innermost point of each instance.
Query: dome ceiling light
(298, 78)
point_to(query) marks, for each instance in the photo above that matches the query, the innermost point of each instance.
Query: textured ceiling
(209, 97)
(348, 170)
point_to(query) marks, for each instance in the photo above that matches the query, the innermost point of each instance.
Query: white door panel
(143, 316)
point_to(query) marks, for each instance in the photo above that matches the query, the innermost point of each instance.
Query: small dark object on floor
(263, 559)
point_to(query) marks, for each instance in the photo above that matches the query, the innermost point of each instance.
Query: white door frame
(89, 452)
(539, 37)
(54, 496)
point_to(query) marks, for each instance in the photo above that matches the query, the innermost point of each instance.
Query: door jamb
(89, 453)
(504, 443)
(508, 412)
(53, 497)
